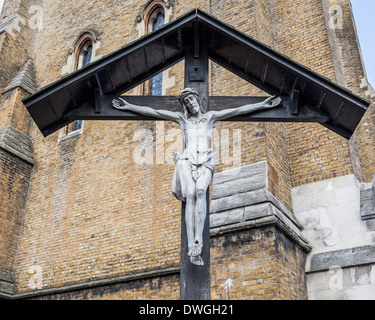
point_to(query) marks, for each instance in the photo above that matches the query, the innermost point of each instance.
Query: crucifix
(96, 93)
(194, 168)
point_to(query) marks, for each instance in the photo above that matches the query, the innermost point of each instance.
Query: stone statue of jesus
(195, 167)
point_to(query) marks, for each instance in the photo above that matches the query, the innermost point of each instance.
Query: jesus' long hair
(185, 93)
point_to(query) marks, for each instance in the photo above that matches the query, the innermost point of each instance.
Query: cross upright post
(195, 281)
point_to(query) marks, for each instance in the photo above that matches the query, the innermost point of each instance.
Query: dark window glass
(158, 22)
(87, 55)
(157, 81)
(77, 125)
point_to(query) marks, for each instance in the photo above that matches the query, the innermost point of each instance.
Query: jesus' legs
(200, 214)
(189, 220)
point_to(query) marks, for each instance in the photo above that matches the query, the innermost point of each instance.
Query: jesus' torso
(197, 132)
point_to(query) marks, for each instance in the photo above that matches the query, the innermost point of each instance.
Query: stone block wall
(257, 245)
(340, 265)
(367, 199)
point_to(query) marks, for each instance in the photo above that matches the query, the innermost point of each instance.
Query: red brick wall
(262, 264)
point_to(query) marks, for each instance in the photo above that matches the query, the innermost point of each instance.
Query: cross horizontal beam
(279, 114)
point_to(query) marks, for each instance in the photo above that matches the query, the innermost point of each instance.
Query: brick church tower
(87, 212)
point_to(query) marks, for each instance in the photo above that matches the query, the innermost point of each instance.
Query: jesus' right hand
(176, 156)
(120, 104)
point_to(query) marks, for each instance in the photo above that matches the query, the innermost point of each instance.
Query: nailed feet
(195, 253)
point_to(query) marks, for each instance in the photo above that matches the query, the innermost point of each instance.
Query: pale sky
(364, 15)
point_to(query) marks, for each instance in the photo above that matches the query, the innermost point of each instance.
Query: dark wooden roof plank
(249, 59)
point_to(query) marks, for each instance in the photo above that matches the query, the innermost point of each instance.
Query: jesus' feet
(196, 249)
(195, 253)
(198, 261)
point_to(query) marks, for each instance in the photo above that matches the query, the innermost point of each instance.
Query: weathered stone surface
(227, 217)
(255, 206)
(24, 79)
(336, 224)
(343, 283)
(6, 282)
(6, 287)
(257, 181)
(368, 200)
(16, 143)
(235, 174)
(343, 258)
(6, 276)
(342, 242)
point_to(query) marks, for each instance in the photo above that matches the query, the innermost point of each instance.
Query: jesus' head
(191, 102)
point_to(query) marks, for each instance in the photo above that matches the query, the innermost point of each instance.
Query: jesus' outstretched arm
(269, 103)
(122, 104)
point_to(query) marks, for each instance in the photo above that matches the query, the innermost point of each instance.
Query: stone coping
(17, 144)
(342, 258)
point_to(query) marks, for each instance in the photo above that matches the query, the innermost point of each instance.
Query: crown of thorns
(186, 92)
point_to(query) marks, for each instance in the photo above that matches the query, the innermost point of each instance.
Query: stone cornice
(241, 201)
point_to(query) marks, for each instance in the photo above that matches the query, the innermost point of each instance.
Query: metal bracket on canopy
(294, 99)
(99, 95)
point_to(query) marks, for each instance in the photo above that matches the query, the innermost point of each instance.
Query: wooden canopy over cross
(196, 37)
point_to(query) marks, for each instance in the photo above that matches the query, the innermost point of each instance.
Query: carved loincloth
(188, 172)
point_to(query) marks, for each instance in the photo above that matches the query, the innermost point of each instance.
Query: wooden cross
(194, 279)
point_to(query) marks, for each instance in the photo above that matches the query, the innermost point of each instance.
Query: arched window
(155, 19)
(151, 17)
(83, 53)
(83, 57)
